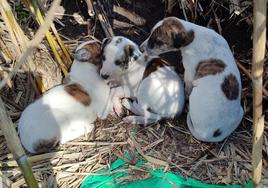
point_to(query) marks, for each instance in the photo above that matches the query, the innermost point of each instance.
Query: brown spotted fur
(44, 145)
(78, 93)
(156, 63)
(230, 87)
(209, 67)
(171, 33)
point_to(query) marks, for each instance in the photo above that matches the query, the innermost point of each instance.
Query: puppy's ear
(82, 54)
(129, 54)
(105, 41)
(129, 50)
(182, 38)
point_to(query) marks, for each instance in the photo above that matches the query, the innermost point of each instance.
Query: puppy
(68, 111)
(211, 76)
(154, 83)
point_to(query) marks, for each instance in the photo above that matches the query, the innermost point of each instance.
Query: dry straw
(167, 144)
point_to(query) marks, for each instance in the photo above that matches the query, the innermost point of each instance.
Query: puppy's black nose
(105, 76)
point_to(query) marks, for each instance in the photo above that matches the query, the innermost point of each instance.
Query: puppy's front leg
(143, 116)
(117, 94)
(188, 84)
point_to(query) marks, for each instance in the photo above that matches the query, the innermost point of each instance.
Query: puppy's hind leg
(130, 106)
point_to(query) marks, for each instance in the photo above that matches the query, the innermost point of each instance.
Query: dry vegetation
(168, 142)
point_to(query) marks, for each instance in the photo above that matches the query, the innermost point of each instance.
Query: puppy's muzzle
(105, 76)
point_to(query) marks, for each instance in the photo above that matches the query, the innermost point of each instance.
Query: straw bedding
(167, 143)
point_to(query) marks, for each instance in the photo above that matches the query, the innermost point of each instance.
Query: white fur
(162, 91)
(58, 115)
(209, 109)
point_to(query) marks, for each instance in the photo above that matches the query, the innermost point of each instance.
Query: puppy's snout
(105, 76)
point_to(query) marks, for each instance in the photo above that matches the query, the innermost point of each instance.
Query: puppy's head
(89, 52)
(167, 35)
(119, 54)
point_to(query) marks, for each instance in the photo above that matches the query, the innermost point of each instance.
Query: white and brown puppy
(211, 76)
(154, 83)
(67, 111)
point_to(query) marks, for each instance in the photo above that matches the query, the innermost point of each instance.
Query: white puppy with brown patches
(211, 76)
(154, 83)
(68, 111)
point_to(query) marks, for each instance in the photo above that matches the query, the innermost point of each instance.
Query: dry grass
(167, 143)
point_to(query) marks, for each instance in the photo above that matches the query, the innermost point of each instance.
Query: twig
(218, 22)
(133, 17)
(120, 24)
(248, 74)
(103, 20)
(259, 40)
(90, 10)
(150, 159)
(183, 10)
(96, 144)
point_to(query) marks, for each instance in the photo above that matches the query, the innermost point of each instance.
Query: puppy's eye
(117, 62)
(103, 58)
(135, 57)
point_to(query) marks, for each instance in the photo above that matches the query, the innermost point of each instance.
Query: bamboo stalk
(259, 40)
(15, 146)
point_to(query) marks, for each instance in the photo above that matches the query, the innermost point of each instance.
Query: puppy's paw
(126, 103)
(113, 84)
(118, 109)
(129, 119)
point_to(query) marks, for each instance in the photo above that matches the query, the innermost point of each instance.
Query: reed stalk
(259, 41)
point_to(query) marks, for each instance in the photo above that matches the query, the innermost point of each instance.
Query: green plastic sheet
(114, 178)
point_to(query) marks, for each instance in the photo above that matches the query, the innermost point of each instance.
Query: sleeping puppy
(68, 111)
(211, 76)
(154, 83)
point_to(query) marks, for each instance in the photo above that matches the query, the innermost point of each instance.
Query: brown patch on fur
(119, 40)
(172, 33)
(78, 93)
(154, 64)
(95, 51)
(230, 87)
(217, 133)
(44, 145)
(128, 51)
(209, 67)
(175, 59)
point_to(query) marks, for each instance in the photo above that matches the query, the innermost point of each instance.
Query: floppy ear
(105, 41)
(82, 54)
(182, 38)
(129, 51)
(154, 37)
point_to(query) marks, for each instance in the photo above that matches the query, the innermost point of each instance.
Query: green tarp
(114, 178)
